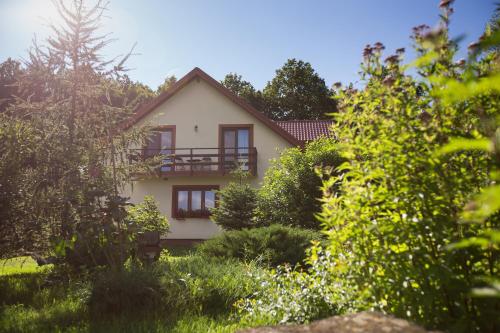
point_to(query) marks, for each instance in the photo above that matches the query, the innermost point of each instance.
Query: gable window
(193, 200)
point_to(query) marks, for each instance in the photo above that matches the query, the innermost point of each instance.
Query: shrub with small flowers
(400, 242)
(393, 226)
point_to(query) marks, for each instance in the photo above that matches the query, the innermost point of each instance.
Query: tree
(236, 203)
(167, 83)
(130, 94)
(69, 190)
(10, 73)
(291, 188)
(244, 89)
(297, 92)
(146, 216)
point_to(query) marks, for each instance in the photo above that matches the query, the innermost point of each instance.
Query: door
(236, 146)
(161, 142)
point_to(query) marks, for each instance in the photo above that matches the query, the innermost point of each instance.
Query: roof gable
(197, 73)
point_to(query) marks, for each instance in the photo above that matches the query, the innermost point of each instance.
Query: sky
(251, 38)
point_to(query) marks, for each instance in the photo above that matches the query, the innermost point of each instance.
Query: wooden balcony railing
(199, 161)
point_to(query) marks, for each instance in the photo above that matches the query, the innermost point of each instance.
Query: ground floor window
(193, 200)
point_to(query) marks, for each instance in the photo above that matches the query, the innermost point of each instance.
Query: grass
(20, 265)
(34, 299)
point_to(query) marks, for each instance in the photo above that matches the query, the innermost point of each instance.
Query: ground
(32, 302)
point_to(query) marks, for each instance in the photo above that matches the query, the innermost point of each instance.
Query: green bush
(235, 206)
(135, 291)
(392, 228)
(291, 188)
(204, 285)
(172, 287)
(273, 245)
(146, 216)
(294, 295)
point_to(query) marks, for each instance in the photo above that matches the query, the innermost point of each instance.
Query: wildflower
(420, 29)
(473, 46)
(378, 46)
(393, 59)
(432, 34)
(425, 117)
(400, 51)
(367, 51)
(445, 3)
(389, 80)
(460, 62)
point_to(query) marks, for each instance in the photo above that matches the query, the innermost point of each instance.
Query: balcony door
(235, 146)
(162, 142)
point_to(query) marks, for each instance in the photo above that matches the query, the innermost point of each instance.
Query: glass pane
(195, 201)
(243, 144)
(153, 144)
(165, 149)
(166, 141)
(229, 138)
(229, 151)
(243, 141)
(182, 200)
(209, 199)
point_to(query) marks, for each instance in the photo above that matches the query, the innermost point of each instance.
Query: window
(235, 142)
(161, 142)
(193, 200)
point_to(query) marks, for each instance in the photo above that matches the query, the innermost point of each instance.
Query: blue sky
(252, 38)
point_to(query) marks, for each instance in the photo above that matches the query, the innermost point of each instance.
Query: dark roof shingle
(306, 130)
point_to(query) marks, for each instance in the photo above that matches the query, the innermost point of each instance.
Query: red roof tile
(306, 130)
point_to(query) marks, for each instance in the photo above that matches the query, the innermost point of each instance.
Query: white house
(206, 130)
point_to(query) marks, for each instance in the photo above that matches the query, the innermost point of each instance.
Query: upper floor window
(235, 142)
(160, 142)
(193, 201)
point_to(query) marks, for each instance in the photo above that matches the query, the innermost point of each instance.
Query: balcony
(197, 161)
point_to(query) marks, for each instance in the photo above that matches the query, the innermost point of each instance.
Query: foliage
(297, 92)
(205, 285)
(294, 295)
(129, 94)
(245, 90)
(193, 284)
(485, 205)
(194, 293)
(17, 150)
(10, 73)
(70, 162)
(291, 188)
(399, 206)
(167, 83)
(128, 292)
(271, 245)
(235, 206)
(146, 216)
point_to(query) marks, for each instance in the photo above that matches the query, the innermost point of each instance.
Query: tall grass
(180, 294)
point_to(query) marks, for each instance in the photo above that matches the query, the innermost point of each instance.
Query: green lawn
(32, 299)
(20, 265)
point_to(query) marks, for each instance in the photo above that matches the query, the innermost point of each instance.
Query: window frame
(222, 148)
(160, 128)
(190, 188)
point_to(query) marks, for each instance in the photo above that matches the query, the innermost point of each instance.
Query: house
(203, 131)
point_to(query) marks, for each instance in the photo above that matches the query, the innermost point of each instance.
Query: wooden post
(191, 161)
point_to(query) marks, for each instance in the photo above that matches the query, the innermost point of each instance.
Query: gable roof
(306, 130)
(146, 109)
